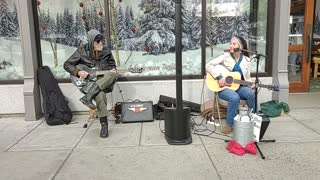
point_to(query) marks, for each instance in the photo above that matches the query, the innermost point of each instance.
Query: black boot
(92, 93)
(104, 127)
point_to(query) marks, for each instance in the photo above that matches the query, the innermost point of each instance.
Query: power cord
(120, 91)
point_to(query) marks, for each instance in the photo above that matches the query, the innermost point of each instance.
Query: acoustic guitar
(233, 81)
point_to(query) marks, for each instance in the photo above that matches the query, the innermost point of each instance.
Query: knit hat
(242, 43)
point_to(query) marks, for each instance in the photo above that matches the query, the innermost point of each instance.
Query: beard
(97, 48)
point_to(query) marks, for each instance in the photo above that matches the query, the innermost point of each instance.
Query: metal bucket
(243, 128)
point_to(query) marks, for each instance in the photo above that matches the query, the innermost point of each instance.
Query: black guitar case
(55, 104)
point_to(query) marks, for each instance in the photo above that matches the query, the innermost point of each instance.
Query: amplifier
(137, 111)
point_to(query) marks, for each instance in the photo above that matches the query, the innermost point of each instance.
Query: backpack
(158, 109)
(55, 105)
(273, 108)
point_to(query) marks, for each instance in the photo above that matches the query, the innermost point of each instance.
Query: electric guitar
(92, 75)
(233, 81)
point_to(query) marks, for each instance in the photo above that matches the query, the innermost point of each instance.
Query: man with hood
(95, 56)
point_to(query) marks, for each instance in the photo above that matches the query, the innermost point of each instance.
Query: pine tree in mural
(212, 26)
(129, 22)
(186, 23)
(121, 27)
(48, 31)
(7, 26)
(15, 21)
(78, 31)
(92, 15)
(241, 25)
(157, 26)
(67, 23)
(191, 27)
(113, 24)
(195, 28)
(60, 31)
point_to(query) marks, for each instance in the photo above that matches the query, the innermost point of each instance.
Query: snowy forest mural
(10, 51)
(142, 32)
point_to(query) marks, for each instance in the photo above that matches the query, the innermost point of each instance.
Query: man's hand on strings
(253, 86)
(113, 70)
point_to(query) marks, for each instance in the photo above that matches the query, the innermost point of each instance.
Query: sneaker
(227, 129)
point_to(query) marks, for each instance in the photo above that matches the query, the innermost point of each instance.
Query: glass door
(300, 39)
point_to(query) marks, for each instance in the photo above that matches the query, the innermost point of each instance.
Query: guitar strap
(237, 67)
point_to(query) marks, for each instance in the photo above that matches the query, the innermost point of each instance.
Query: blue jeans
(233, 99)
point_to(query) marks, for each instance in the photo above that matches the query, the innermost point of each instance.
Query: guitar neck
(99, 73)
(247, 83)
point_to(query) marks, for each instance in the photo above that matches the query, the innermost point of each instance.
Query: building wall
(13, 101)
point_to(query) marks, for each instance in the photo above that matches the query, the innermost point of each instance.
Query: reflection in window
(63, 26)
(228, 18)
(295, 66)
(11, 66)
(145, 42)
(296, 30)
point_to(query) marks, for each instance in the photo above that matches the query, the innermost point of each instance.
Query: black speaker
(264, 125)
(177, 131)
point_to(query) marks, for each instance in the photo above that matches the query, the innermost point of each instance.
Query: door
(300, 39)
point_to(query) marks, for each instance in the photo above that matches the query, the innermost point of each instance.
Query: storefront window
(245, 18)
(145, 31)
(63, 26)
(142, 32)
(11, 66)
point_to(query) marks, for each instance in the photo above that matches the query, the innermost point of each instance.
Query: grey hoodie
(83, 55)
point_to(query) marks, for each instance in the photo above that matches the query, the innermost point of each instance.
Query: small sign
(257, 121)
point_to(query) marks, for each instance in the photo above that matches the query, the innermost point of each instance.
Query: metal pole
(107, 22)
(178, 59)
(203, 37)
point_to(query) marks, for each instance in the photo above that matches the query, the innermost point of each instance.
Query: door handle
(309, 44)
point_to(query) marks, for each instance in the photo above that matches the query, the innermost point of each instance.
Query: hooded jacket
(84, 55)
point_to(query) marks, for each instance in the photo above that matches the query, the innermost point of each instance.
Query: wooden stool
(91, 118)
(316, 61)
(220, 102)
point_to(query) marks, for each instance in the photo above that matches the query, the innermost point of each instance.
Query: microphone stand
(257, 57)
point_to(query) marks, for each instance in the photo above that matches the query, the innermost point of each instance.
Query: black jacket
(83, 55)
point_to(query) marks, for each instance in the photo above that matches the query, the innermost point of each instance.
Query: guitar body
(232, 81)
(213, 83)
(79, 82)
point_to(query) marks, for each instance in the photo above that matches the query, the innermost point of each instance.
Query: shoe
(227, 129)
(104, 133)
(92, 93)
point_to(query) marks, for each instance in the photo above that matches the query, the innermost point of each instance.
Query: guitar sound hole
(229, 80)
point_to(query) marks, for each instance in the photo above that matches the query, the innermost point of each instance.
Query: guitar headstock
(273, 87)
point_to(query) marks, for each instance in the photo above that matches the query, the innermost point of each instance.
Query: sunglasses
(98, 41)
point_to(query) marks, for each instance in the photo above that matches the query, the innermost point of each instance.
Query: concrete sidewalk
(34, 150)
